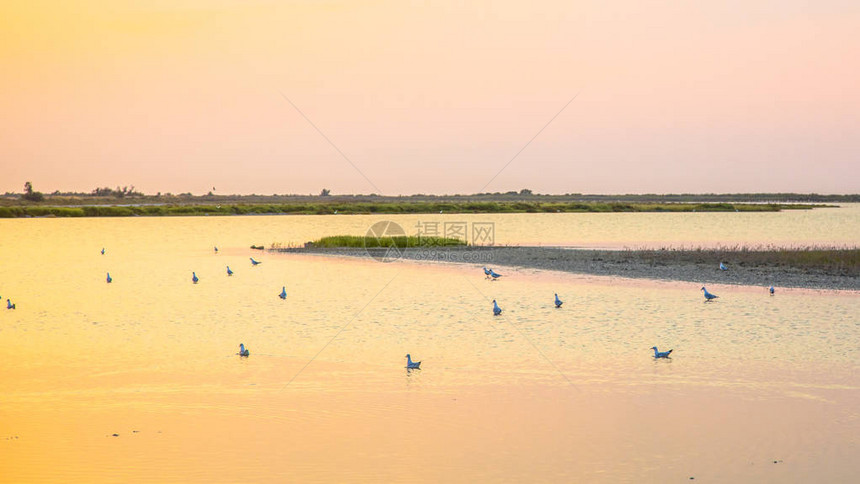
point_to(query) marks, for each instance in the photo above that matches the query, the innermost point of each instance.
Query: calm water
(539, 395)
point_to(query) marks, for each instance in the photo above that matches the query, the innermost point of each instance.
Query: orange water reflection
(548, 395)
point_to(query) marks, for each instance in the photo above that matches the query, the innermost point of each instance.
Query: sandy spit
(633, 264)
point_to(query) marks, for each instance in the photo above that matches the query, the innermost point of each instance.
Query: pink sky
(431, 97)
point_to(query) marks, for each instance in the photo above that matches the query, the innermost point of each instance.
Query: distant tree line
(117, 192)
(525, 194)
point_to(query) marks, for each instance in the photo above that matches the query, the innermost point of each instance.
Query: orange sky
(430, 97)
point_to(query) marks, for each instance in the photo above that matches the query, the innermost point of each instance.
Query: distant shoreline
(333, 207)
(697, 266)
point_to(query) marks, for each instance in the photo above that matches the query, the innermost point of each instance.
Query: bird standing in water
(709, 296)
(496, 309)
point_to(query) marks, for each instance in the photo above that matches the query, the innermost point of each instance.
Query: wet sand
(660, 265)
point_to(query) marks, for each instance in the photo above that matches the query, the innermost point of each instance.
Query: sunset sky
(430, 97)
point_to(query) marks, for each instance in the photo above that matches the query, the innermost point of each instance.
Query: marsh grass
(830, 260)
(405, 207)
(402, 242)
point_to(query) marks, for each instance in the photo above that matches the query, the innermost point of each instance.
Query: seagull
(194, 278)
(242, 350)
(9, 304)
(723, 267)
(558, 302)
(709, 296)
(254, 262)
(496, 309)
(412, 365)
(103, 251)
(229, 272)
(494, 275)
(283, 294)
(661, 354)
(109, 278)
(771, 290)
(487, 272)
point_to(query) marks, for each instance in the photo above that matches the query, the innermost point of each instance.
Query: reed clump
(401, 242)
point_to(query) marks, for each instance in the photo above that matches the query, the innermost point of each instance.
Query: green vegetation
(403, 207)
(30, 195)
(830, 260)
(402, 242)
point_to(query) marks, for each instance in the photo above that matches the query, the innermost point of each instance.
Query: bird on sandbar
(254, 262)
(9, 304)
(216, 249)
(242, 350)
(709, 296)
(496, 309)
(229, 271)
(494, 275)
(103, 251)
(661, 354)
(109, 279)
(194, 277)
(558, 302)
(771, 290)
(412, 365)
(487, 273)
(283, 294)
(723, 267)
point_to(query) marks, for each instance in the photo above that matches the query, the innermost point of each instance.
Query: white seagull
(709, 296)
(496, 309)
(412, 365)
(661, 354)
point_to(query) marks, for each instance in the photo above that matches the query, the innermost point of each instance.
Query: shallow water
(538, 394)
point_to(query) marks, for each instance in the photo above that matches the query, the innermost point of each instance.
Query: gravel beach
(663, 265)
